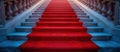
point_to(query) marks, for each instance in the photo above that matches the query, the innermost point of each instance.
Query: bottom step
(59, 46)
(104, 46)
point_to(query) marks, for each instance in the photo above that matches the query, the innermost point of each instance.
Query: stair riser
(87, 17)
(74, 30)
(58, 50)
(28, 24)
(23, 29)
(95, 29)
(85, 24)
(39, 10)
(32, 20)
(9, 49)
(59, 13)
(33, 16)
(101, 38)
(17, 38)
(36, 20)
(58, 24)
(59, 30)
(37, 14)
(59, 16)
(89, 24)
(76, 20)
(59, 20)
(79, 11)
(86, 20)
(59, 38)
(93, 38)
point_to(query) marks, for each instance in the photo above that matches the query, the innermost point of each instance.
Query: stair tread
(101, 44)
(12, 44)
(73, 27)
(18, 34)
(93, 27)
(59, 34)
(60, 44)
(55, 27)
(26, 33)
(107, 44)
(100, 34)
(61, 22)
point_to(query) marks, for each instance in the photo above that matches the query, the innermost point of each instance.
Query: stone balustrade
(11, 8)
(105, 7)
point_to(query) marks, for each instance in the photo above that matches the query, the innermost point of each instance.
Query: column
(2, 14)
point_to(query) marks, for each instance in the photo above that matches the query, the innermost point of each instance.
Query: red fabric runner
(59, 30)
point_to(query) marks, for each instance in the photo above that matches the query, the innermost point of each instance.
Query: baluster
(20, 6)
(15, 9)
(27, 4)
(30, 3)
(104, 9)
(23, 5)
(24, 1)
(99, 6)
(9, 10)
(88, 3)
(91, 4)
(95, 5)
(109, 13)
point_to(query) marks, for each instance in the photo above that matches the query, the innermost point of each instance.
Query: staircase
(99, 37)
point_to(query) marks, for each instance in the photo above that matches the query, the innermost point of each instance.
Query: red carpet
(59, 30)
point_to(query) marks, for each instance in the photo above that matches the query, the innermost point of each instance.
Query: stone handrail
(11, 8)
(105, 7)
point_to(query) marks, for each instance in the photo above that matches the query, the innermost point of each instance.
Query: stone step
(108, 46)
(23, 36)
(95, 29)
(33, 16)
(37, 19)
(28, 24)
(32, 20)
(38, 12)
(29, 29)
(38, 16)
(35, 13)
(90, 24)
(10, 46)
(87, 24)
(79, 13)
(86, 20)
(83, 16)
(104, 46)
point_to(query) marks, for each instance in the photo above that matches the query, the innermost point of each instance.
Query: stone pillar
(2, 21)
(116, 30)
(2, 14)
(117, 13)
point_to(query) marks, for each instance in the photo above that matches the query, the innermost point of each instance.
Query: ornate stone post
(117, 13)
(2, 21)
(2, 13)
